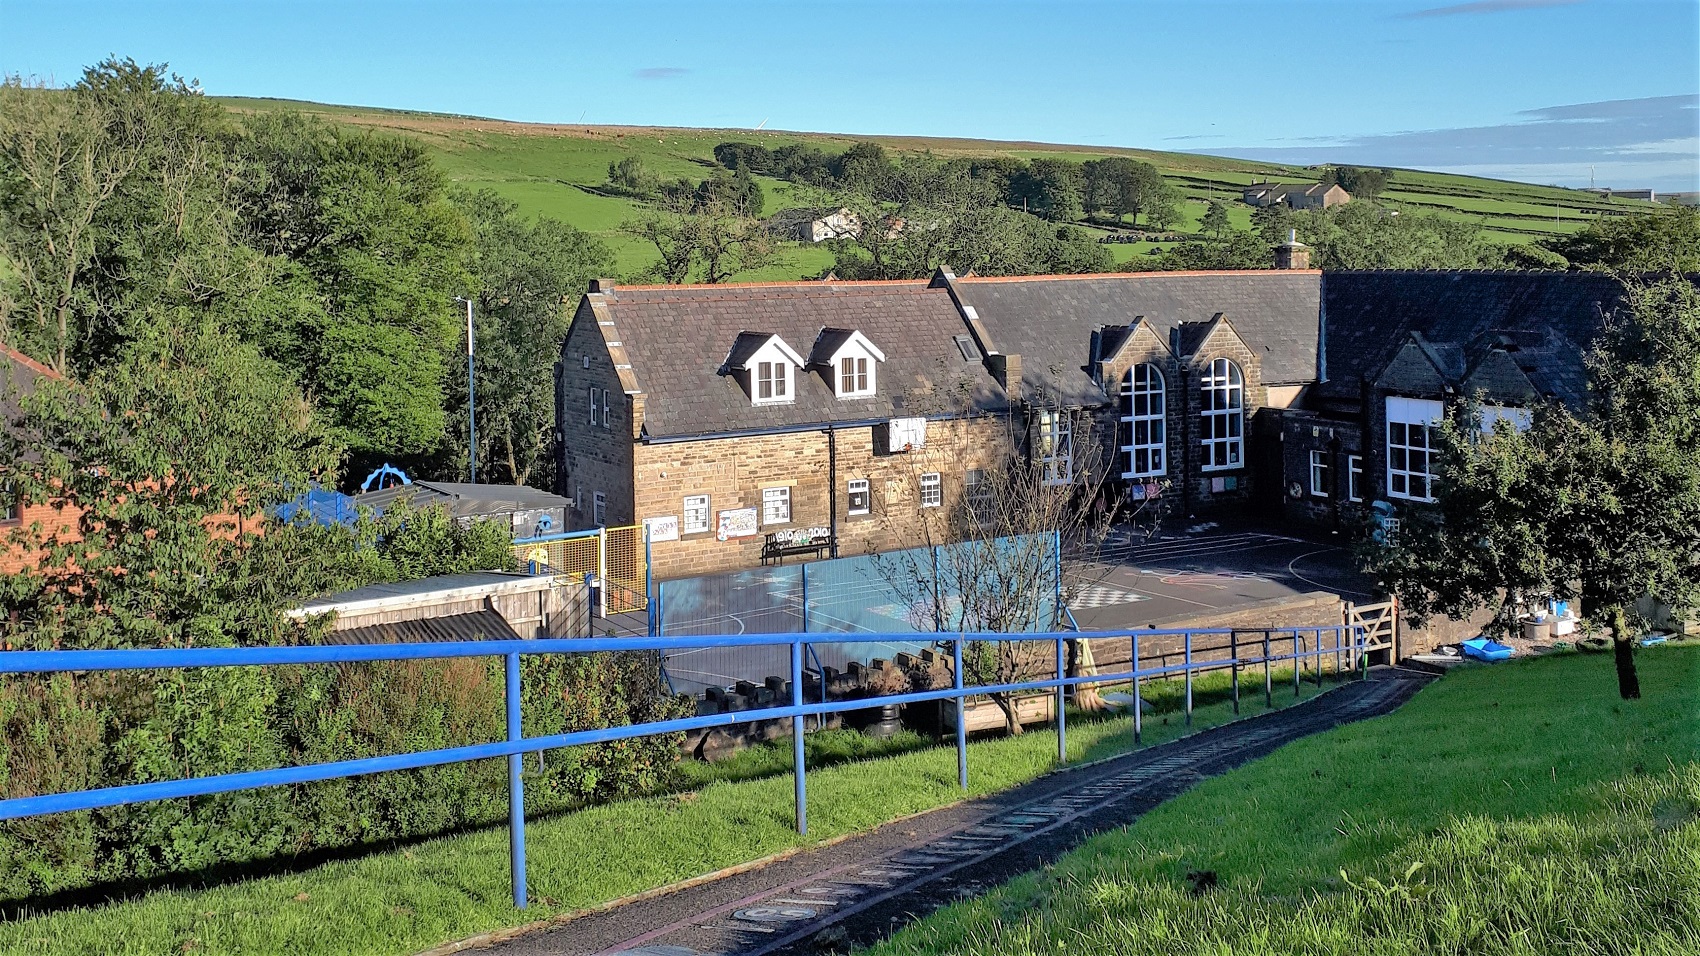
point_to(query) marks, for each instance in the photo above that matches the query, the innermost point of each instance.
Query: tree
(1235, 249)
(996, 542)
(629, 175)
(710, 243)
(1162, 206)
(171, 453)
(1666, 240)
(1361, 182)
(1120, 185)
(1053, 189)
(1601, 503)
(751, 156)
(1363, 236)
(373, 254)
(528, 276)
(1215, 221)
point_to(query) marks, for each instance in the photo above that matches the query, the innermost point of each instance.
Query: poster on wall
(738, 523)
(664, 528)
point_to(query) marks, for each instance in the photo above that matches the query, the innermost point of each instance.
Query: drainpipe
(832, 486)
(1186, 442)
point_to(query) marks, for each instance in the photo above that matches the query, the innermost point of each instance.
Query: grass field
(405, 900)
(555, 170)
(1517, 809)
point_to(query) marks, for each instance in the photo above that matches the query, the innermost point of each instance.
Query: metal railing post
(1062, 718)
(1298, 662)
(1268, 676)
(1188, 669)
(516, 786)
(1138, 705)
(602, 573)
(1339, 648)
(1319, 653)
(797, 738)
(1234, 668)
(961, 720)
(805, 574)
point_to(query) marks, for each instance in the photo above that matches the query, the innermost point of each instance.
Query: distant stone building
(814, 225)
(1307, 196)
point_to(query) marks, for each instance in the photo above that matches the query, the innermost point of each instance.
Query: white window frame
(772, 382)
(932, 490)
(605, 419)
(1055, 446)
(855, 376)
(858, 486)
(1410, 437)
(593, 403)
(1319, 466)
(1144, 407)
(695, 505)
(11, 508)
(977, 491)
(1520, 418)
(598, 509)
(776, 505)
(1221, 402)
(1354, 478)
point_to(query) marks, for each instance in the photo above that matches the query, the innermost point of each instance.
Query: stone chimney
(1292, 254)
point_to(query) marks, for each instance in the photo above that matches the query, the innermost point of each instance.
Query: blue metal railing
(1347, 641)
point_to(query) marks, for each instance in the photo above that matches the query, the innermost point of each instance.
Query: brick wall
(733, 472)
(13, 558)
(595, 457)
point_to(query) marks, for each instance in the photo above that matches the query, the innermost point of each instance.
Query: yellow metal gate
(615, 555)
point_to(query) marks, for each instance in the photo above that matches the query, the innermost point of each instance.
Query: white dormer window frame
(771, 373)
(854, 367)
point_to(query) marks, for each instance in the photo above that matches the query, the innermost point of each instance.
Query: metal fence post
(1268, 677)
(1188, 668)
(1062, 718)
(1234, 668)
(649, 580)
(1138, 705)
(1319, 653)
(961, 719)
(602, 573)
(516, 787)
(1298, 661)
(797, 737)
(805, 575)
(1339, 647)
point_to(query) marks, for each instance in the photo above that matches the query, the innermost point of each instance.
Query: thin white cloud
(1485, 6)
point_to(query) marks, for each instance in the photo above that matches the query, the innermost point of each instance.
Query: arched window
(1143, 434)
(1221, 410)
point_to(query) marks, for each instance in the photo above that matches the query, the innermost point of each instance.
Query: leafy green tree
(1363, 236)
(529, 275)
(374, 256)
(1361, 182)
(1215, 221)
(1234, 249)
(1163, 206)
(1121, 186)
(1053, 189)
(752, 156)
(1666, 240)
(1601, 503)
(629, 175)
(708, 243)
(862, 166)
(171, 452)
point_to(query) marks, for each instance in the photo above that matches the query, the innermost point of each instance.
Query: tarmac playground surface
(1203, 570)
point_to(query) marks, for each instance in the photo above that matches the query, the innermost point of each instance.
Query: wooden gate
(1380, 623)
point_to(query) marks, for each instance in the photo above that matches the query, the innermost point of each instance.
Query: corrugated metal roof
(472, 626)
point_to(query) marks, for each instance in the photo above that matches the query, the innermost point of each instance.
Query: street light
(471, 403)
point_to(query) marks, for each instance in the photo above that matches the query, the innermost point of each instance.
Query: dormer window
(766, 366)
(773, 381)
(850, 361)
(853, 377)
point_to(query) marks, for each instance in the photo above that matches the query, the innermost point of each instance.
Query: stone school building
(743, 423)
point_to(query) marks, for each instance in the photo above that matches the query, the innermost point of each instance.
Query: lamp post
(471, 402)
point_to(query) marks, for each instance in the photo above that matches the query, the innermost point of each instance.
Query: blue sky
(1538, 90)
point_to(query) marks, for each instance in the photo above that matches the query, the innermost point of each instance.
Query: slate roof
(678, 337)
(463, 499)
(18, 375)
(1546, 320)
(1049, 321)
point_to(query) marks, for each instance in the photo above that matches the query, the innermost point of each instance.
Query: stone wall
(816, 467)
(592, 457)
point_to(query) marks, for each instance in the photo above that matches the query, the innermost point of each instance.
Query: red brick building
(18, 377)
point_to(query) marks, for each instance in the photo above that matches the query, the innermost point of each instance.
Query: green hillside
(558, 170)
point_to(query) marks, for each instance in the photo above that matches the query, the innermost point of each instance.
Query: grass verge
(1516, 809)
(409, 899)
